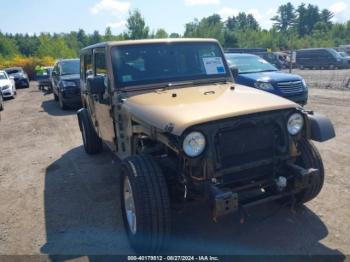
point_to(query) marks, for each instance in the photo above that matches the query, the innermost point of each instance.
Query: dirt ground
(55, 199)
(326, 79)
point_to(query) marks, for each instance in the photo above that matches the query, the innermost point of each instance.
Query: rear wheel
(92, 142)
(310, 158)
(145, 204)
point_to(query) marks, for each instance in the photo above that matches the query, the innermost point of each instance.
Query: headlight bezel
(297, 117)
(265, 86)
(186, 140)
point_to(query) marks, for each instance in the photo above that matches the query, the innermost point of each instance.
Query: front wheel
(92, 142)
(145, 204)
(63, 106)
(310, 158)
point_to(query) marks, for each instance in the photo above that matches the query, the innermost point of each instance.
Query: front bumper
(44, 82)
(71, 96)
(230, 200)
(7, 93)
(21, 82)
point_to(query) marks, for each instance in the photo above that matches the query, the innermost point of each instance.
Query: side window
(82, 75)
(56, 69)
(88, 70)
(100, 64)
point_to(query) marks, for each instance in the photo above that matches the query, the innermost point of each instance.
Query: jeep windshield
(168, 64)
(249, 64)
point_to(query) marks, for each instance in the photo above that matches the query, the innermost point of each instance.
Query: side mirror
(53, 73)
(234, 71)
(12, 77)
(96, 85)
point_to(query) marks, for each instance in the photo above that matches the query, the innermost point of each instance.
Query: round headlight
(194, 144)
(295, 123)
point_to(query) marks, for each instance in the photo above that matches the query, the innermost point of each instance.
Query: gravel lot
(55, 199)
(326, 79)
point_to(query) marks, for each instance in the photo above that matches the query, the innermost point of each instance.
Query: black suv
(66, 82)
(19, 75)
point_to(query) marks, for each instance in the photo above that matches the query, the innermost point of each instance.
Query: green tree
(231, 23)
(285, 18)
(161, 33)
(301, 20)
(242, 22)
(95, 38)
(312, 17)
(136, 26)
(54, 46)
(326, 17)
(8, 47)
(208, 27)
(82, 38)
(174, 35)
(108, 34)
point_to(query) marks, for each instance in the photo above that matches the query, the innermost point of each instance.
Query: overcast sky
(23, 16)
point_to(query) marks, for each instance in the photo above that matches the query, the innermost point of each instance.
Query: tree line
(293, 27)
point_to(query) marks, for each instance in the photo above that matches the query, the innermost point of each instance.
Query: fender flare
(79, 112)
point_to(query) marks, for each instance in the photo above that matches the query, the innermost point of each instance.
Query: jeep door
(103, 101)
(86, 71)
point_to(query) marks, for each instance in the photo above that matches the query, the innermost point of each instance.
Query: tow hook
(223, 202)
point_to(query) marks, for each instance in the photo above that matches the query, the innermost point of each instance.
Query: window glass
(70, 67)
(249, 63)
(88, 66)
(100, 64)
(2, 76)
(167, 62)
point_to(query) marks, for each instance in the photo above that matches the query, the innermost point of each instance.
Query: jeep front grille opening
(250, 142)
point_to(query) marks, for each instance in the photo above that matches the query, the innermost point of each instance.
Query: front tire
(63, 106)
(92, 142)
(310, 158)
(147, 219)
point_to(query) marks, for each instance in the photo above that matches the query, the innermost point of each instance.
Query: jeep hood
(185, 107)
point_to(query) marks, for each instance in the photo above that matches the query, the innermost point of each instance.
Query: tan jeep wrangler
(171, 111)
